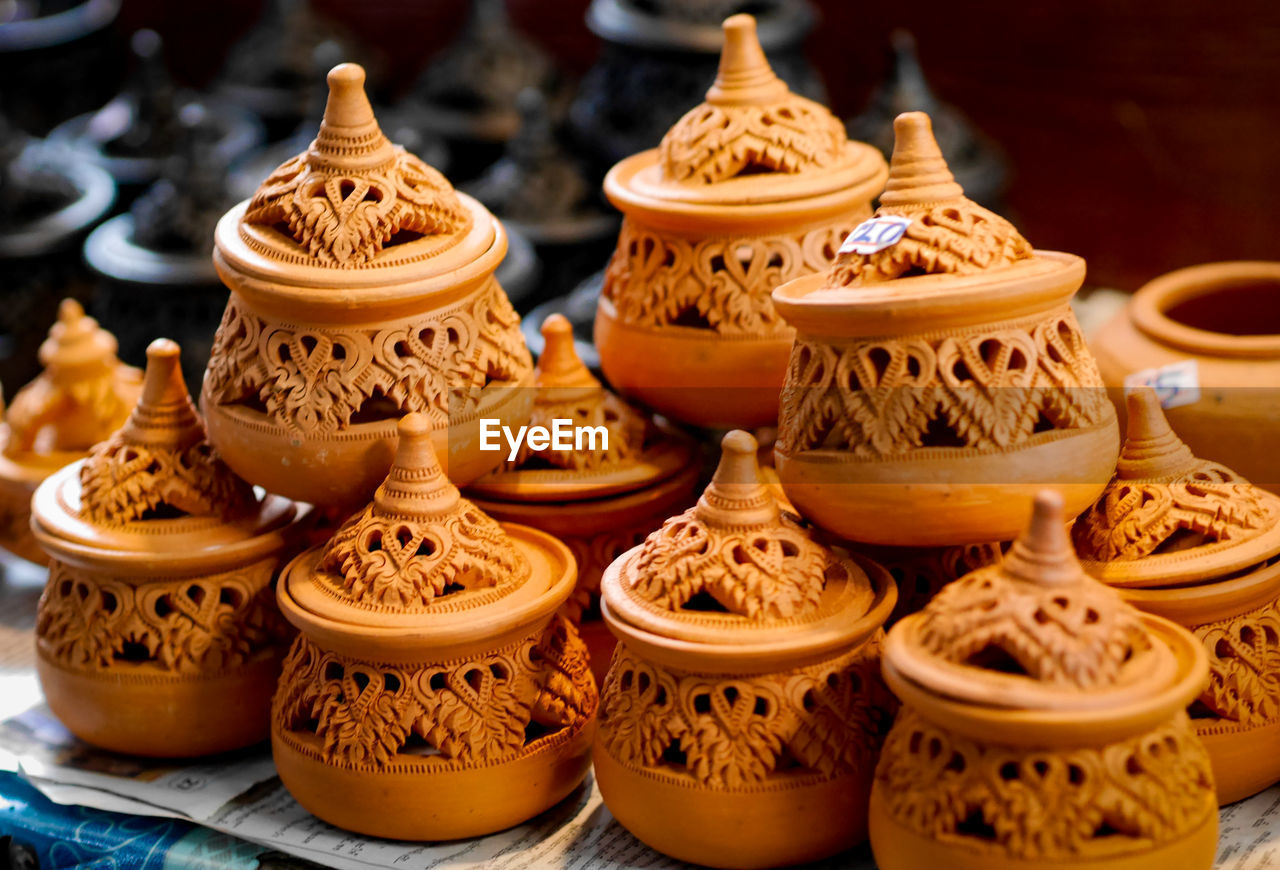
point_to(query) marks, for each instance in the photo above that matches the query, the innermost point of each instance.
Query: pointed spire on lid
(1042, 554)
(349, 139)
(77, 340)
(917, 171)
(416, 486)
(744, 76)
(1151, 449)
(165, 416)
(559, 365)
(736, 495)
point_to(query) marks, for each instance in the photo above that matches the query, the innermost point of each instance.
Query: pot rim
(1208, 602)
(97, 194)
(780, 27)
(111, 251)
(1151, 301)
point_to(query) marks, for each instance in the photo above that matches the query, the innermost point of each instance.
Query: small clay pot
(1043, 724)
(600, 502)
(82, 396)
(361, 289)
(1190, 540)
(939, 381)
(1225, 317)
(753, 188)
(742, 713)
(434, 692)
(157, 633)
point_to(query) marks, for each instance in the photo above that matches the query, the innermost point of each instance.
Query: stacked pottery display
(600, 500)
(743, 711)
(1190, 540)
(157, 633)
(938, 379)
(83, 395)
(753, 188)
(362, 289)
(1214, 332)
(1043, 724)
(434, 692)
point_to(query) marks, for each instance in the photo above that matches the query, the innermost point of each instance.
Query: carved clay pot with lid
(753, 188)
(601, 502)
(361, 289)
(743, 711)
(157, 633)
(1043, 724)
(434, 692)
(1223, 319)
(83, 395)
(936, 384)
(1192, 541)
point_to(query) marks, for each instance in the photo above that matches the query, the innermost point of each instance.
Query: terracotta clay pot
(1226, 318)
(599, 501)
(742, 714)
(939, 381)
(1043, 724)
(436, 629)
(1190, 540)
(361, 289)
(83, 395)
(157, 633)
(752, 188)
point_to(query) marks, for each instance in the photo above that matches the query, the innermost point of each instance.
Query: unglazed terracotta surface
(361, 289)
(434, 692)
(1226, 318)
(599, 502)
(1042, 725)
(752, 188)
(157, 633)
(83, 395)
(937, 384)
(1190, 540)
(742, 713)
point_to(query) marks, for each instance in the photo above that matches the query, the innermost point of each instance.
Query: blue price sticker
(875, 235)
(1175, 384)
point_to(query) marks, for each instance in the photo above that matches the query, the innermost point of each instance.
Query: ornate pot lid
(736, 583)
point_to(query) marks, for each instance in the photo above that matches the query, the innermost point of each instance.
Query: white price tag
(875, 234)
(1176, 383)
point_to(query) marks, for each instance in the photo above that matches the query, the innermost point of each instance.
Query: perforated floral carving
(920, 574)
(1244, 670)
(202, 626)
(365, 715)
(313, 380)
(735, 732)
(123, 482)
(593, 555)
(1046, 805)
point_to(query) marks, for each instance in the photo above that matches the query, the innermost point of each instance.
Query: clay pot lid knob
(744, 75)
(416, 485)
(164, 416)
(559, 364)
(348, 105)
(1043, 553)
(917, 171)
(1151, 449)
(76, 340)
(736, 495)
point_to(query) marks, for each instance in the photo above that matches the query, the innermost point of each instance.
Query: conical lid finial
(1043, 553)
(736, 496)
(1151, 449)
(349, 139)
(744, 76)
(416, 485)
(559, 365)
(77, 340)
(164, 416)
(917, 171)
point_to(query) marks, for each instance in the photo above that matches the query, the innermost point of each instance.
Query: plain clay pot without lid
(600, 502)
(1226, 318)
(83, 395)
(1192, 541)
(436, 629)
(157, 633)
(937, 384)
(1043, 724)
(361, 289)
(743, 711)
(753, 188)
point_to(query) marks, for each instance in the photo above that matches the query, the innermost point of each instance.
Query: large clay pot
(752, 188)
(1043, 724)
(940, 380)
(1190, 540)
(743, 712)
(435, 629)
(361, 289)
(82, 396)
(1226, 318)
(599, 500)
(157, 633)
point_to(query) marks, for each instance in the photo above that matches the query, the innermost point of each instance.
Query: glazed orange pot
(600, 501)
(434, 692)
(362, 289)
(742, 715)
(1190, 540)
(1043, 724)
(752, 188)
(1224, 318)
(157, 633)
(939, 378)
(82, 396)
